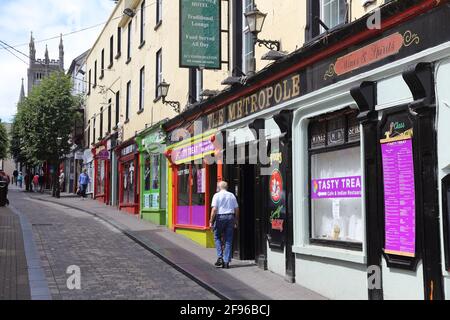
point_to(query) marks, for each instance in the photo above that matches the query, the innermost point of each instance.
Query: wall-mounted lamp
(255, 21)
(163, 88)
(129, 12)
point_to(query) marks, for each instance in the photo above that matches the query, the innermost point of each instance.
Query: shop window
(129, 183)
(336, 181)
(152, 181)
(191, 193)
(100, 177)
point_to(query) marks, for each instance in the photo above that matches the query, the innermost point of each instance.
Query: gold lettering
(296, 85)
(254, 103)
(210, 121)
(247, 103)
(221, 117)
(269, 92)
(262, 99)
(286, 90)
(232, 111)
(278, 93)
(239, 109)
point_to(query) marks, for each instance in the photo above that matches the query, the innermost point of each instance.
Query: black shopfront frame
(355, 246)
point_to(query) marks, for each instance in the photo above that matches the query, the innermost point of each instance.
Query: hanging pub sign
(103, 155)
(277, 201)
(399, 186)
(200, 34)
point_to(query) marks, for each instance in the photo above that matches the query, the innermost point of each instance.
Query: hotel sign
(200, 34)
(268, 97)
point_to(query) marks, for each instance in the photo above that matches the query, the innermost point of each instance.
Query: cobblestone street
(112, 265)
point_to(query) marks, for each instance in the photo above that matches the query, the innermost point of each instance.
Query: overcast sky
(46, 18)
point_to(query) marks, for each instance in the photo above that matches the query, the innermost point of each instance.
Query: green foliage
(44, 122)
(3, 141)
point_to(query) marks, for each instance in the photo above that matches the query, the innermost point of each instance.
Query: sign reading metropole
(200, 34)
(334, 188)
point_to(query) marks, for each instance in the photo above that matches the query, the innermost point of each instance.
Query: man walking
(224, 218)
(83, 182)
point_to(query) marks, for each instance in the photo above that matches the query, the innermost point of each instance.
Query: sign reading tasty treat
(399, 188)
(200, 34)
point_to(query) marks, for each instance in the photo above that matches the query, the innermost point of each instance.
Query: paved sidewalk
(13, 264)
(243, 281)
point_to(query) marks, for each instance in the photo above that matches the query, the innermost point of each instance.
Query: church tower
(61, 54)
(32, 50)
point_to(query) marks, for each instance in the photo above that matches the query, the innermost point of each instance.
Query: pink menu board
(399, 197)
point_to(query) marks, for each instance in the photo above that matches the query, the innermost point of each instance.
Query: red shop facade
(128, 160)
(102, 171)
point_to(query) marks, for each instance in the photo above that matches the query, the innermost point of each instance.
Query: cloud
(47, 19)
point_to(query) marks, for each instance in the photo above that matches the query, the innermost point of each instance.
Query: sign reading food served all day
(200, 34)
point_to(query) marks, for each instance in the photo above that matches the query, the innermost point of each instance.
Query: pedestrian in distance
(83, 182)
(224, 219)
(36, 182)
(15, 175)
(61, 181)
(41, 181)
(20, 179)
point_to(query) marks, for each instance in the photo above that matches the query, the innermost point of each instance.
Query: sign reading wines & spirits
(200, 34)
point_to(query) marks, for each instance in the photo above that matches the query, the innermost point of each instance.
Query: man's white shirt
(225, 202)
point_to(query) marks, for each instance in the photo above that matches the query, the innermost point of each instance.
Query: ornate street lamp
(255, 21)
(163, 88)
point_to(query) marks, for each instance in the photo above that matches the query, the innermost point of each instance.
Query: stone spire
(47, 59)
(61, 53)
(32, 50)
(22, 93)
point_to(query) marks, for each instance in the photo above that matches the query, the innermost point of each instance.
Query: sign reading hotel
(270, 96)
(399, 194)
(335, 188)
(200, 34)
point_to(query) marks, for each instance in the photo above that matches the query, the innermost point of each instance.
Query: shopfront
(353, 201)
(128, 162)
(102, 172)
(153, 182)
(194, 182)
(88, 165)
(365, 158)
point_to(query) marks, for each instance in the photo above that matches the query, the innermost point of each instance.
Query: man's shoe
(226, 265)
(219, 263)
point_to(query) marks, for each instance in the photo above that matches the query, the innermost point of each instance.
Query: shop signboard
(399, 186)
(334, 188)
(193, 151)
(277, 201)
(200, 34)
(103, 155)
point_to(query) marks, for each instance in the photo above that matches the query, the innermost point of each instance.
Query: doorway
(242, 184)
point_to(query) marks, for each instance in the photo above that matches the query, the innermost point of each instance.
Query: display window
(101, 169)
(152, 181)
(129, 183)
(336, 216)
(192, 195)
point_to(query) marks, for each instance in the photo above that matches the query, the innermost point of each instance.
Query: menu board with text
(399, 196)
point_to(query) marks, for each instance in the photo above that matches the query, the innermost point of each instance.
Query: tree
(3, 141)
(44, 122)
